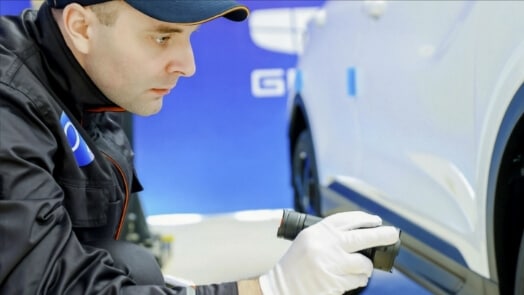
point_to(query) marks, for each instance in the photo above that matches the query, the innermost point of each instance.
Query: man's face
(137, 61)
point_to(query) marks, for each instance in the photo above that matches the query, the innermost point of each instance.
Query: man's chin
(147, 111)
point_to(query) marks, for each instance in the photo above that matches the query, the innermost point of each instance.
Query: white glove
(322, 259)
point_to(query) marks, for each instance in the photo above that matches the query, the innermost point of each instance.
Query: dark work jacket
(66, 170)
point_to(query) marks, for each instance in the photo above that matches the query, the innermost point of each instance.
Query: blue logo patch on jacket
(81, 151)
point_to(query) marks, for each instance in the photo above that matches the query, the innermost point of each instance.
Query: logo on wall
(280, 30)
(81, 151)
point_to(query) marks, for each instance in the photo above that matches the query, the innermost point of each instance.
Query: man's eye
(162, 39)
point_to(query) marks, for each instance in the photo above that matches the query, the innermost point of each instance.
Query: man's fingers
(352, 220)
(364, 238)
(355, 264)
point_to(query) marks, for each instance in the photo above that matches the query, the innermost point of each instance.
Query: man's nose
(182, 61)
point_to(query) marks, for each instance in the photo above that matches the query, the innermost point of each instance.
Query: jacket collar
(69, 80)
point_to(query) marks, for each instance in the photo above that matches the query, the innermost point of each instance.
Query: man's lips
(161, 91)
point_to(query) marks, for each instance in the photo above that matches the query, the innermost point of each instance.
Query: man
(66, 167)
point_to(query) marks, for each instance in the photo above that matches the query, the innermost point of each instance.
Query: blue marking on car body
(352, 81)
(298, 81)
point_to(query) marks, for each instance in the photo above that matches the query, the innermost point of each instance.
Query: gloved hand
(322, 259)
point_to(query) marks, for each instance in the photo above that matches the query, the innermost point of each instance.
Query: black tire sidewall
(519, 273)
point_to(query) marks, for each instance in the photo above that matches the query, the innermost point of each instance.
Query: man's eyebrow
(168, 30)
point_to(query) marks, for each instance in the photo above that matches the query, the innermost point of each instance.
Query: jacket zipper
(126, 197)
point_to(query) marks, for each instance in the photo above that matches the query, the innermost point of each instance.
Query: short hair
(106, 12)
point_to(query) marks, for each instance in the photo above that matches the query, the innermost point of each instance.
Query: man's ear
(77, 21)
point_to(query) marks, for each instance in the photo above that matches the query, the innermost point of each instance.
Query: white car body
(405, 101)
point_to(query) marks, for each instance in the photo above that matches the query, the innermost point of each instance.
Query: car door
(416, 115)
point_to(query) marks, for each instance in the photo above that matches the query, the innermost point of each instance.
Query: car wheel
(519, 276)
(304, 175)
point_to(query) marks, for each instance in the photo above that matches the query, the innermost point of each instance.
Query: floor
(224, 247)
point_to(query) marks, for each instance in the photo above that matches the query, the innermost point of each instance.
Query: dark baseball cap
(176, 11)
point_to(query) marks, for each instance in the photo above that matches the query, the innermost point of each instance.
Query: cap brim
(190, 11)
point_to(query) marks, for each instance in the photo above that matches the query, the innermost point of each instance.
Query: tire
(517, 222)
(304, 174)
(519, 274)
(509, 236)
